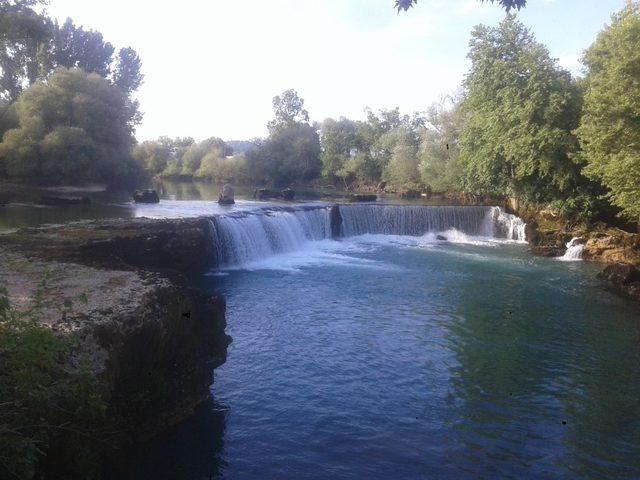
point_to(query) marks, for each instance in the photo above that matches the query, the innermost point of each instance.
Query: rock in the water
(65, 201)
(624, 278)
(263, 194)
(288, 194)
(226, 196)
(362, 197)
(382, 186)
(146, 196)
(442, 238)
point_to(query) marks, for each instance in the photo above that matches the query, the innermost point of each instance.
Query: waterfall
(507, 225)
(249, 236)
(574, 250)
(243, 237)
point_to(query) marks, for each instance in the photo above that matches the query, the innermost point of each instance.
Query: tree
(339, 141)
(401, 162)
(506, 4)
(521, 109)
(192, 158)
(76, 127)
(74, 47)
(127, 73)
(288, 155)
(439, 153)
(609, 131)
(289, 111)
(25, 36)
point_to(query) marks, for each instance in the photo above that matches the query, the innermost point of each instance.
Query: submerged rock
(442, 238)
(146, 196)
(226, 196)
(64, 201)
(624, 278)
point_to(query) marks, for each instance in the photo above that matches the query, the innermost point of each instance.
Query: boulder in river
(226, 196)
(442, 238)
(146, 196)
(288, 194)
(624, 278)
(362, 197)
(263, 194)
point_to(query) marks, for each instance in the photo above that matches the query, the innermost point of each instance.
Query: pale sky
(212, 66)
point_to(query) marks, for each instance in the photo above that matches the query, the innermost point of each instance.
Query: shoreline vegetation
(521, 132)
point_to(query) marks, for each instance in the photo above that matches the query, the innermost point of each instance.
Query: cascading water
(246, 237)
(242, 238)
(574, 250)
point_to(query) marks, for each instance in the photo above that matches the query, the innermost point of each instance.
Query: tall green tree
(339, 142)
(288, 109)
(609, 131)
(439, 153)
(74, 128)
(25, 37)
(127, 72)
(521, 109)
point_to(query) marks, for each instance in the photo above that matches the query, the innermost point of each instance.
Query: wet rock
(335, 219)
(442, 238)
(146, 196)
(382, 186)
(263, 194)
(287, 194)
(226, 196)
(409, 194)
(613, 246)
(362, 197)
(623, 278)
(64, 201)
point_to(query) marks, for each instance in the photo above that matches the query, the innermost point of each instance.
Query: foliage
(288, 155)
(289, 111)
(49, 404)
(506, 4)
(609, 131)
(439, 154)
(521, 110)
(221, 169)
(75, 128)
(127, 73)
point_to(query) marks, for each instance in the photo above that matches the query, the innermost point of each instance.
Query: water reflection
(192, 450)
(540, 378)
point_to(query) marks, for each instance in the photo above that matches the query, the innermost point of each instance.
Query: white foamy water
(574, 251)
(288, 238)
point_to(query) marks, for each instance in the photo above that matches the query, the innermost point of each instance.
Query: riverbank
(119, 293)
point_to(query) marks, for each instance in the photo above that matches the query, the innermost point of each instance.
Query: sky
(212, 67)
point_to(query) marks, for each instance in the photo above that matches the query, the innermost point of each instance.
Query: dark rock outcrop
(146, 196)
(287, 194)
(226, 196)
(623, 278)
(152, 340)
(263, 194)
(335, 219)
(362, 197)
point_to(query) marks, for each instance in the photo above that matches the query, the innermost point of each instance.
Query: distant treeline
(520, 126)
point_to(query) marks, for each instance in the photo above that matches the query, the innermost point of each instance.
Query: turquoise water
(394, 357)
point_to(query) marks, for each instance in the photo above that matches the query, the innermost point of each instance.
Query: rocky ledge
(152, 340)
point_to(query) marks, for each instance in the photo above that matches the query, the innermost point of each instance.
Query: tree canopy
(609, 131)
(522, 108)
(76, 127)
(508, 5)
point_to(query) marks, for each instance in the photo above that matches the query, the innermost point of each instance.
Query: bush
(51, 411)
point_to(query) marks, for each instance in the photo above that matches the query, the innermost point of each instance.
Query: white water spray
(574, 250)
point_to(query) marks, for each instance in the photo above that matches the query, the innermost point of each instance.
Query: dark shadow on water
(191, 450)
